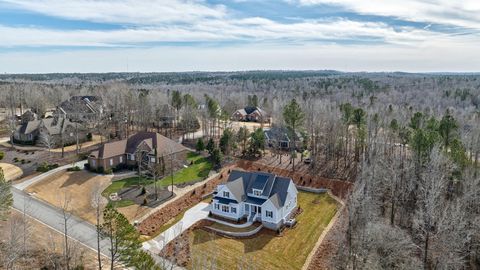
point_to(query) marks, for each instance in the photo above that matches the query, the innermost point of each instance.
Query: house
(146, 147)
(165, 116)
(80, 108)
(52, 131)
(282, 138)
(257, 196)
(250, 113)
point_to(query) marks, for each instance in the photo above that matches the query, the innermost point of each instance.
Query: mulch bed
(134, 193)
(180, 249)
(339, 188)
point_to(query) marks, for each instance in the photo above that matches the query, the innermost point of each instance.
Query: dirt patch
(10, 171)
(134, 212)
(178, 250)
(153, 223)
(78, 187)
(138, 195)
(339, 188)
(323, 257)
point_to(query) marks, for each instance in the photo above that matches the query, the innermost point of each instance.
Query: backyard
(198, 170)
(266, 250)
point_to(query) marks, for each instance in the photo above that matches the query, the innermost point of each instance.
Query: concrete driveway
(191, 216)
(36, 179)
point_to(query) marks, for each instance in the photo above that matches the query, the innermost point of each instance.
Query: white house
(257, 196)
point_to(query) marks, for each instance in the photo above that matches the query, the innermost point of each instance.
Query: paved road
(23, 185)
(51, 216)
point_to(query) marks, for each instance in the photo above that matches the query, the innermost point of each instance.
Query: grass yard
(265, 250)
(198, 170)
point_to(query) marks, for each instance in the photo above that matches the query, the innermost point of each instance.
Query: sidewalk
(191, 216)
(38, 178)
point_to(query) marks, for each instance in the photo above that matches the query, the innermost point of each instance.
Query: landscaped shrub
(108, 171)
(23, 161)
(89, 137)
(15, 159)
(45, 167)
(2, 154)
(100, 170)
(86, 166)
(73, 169)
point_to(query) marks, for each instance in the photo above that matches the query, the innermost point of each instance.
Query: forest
(409, 143)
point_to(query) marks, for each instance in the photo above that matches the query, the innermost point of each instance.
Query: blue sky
(183, 35)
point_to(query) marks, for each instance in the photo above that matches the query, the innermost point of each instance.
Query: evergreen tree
(294, 118)
(242, 136)
(257, 142)
(6, 197)
(210, 146)
(200, 146)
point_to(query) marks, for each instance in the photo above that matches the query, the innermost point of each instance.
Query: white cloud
(138, 12)
(461, 13)
(248, 30)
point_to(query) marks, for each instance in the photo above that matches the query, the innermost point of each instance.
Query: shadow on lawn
(76, 178)
(258, 241)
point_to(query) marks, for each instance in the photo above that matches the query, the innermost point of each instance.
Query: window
(233, 209)
(226, 194)
(94, 163)
(269, 214)
(225, 208)
(131, 157)
(217, 206)
(257, 192)
(152, 159)
(111, 162)
(121, 159)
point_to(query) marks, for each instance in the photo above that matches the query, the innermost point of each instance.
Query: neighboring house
(54, 130)
(165, 116)
(250, 113)
(282, 138)
(257, 196)
(27, 133)
(80, 108)
(148, 147)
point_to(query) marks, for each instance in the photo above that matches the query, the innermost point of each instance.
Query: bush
(15, 159)
(23, 161)
(2, 155)
(108, 171)
(45, 167)
(73, 169)
(100, 170)
(89, 137)
(86, 166)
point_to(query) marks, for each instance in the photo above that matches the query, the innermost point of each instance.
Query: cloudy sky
(190, 35)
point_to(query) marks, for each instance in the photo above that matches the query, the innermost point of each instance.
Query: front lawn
(199, 169)
(266, 250)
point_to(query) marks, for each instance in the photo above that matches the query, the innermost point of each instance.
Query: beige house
(146, 147)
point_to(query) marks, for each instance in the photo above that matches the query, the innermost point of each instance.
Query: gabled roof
(28, 127)
(281, 134)
(249, 110)
(153, 140)
(237, 189)
(275, 188)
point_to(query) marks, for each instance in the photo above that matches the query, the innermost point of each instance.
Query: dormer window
(226, 194)
(257, 192)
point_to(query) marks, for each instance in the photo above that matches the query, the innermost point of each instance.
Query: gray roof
(28, 127)
(275, 188)
(281, 134)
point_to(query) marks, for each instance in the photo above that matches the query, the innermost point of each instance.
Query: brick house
(148, 147)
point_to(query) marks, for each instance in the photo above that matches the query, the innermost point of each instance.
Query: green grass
(122, 203)
(198, 170)
(116, 186)
(265, 250)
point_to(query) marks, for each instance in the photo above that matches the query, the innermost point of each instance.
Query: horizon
(80, 36)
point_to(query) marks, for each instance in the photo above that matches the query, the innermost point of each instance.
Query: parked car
(307, 160)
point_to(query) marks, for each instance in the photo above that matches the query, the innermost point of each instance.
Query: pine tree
(6, 197)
